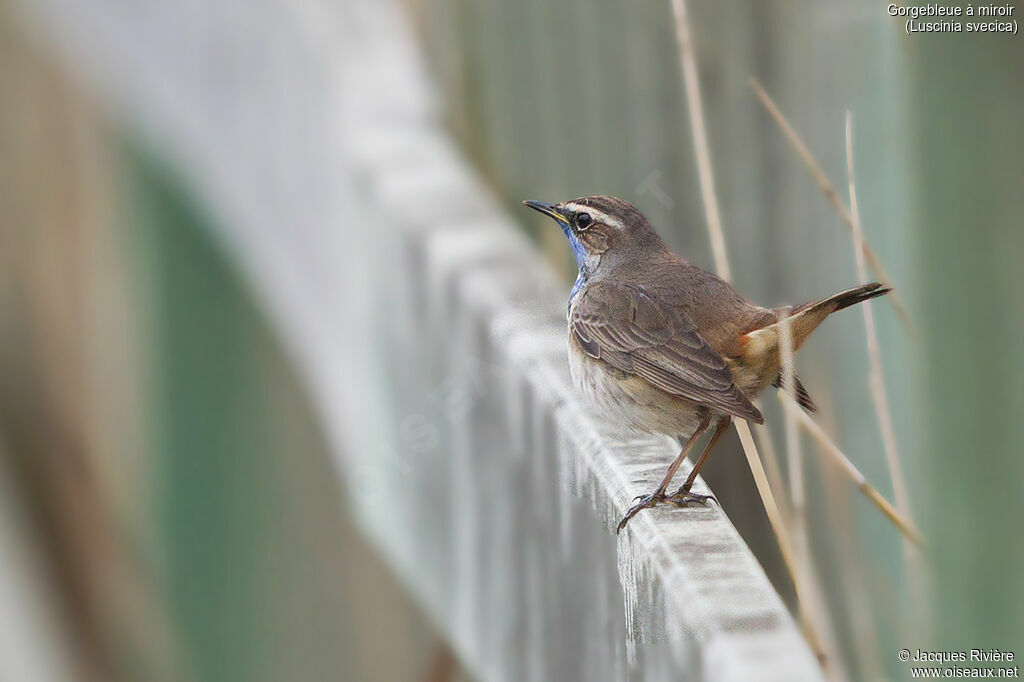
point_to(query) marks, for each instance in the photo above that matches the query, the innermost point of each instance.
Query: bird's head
(601, 229)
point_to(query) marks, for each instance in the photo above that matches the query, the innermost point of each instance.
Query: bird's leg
(658, 495)
(683, 496)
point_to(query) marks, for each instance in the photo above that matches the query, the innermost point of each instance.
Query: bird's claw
(682, 498)
(645, 501)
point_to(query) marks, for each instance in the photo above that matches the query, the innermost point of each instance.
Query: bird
(661, 346)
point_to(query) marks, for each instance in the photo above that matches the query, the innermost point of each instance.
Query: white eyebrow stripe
(598, 216)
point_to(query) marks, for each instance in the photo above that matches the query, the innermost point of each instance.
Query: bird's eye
(583, 220)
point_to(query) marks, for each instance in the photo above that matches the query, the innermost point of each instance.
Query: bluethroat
(660, 345)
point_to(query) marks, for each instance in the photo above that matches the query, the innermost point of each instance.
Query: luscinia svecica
(662, 346)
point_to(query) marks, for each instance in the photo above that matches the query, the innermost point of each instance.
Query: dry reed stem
(876, 378)
(830, 193)
(852, 580)
(876, 383)
(691, 84)
(848, 467)
(770, 507)
(695, 107)
(813, 607)
(796, 568)
(763, 438)
(794, 457)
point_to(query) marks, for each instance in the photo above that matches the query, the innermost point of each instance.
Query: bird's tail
(809, 315)
(760, 347)
(844, 299)
(805, 318)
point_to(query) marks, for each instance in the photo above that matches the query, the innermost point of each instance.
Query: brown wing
(632, 331)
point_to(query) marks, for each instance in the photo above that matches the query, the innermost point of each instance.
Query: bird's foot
(682, 498)
(641, 502)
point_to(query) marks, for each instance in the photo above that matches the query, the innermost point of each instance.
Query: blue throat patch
(578, 249)
(580, 252)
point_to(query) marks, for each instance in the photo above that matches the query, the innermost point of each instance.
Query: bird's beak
(549, 210)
